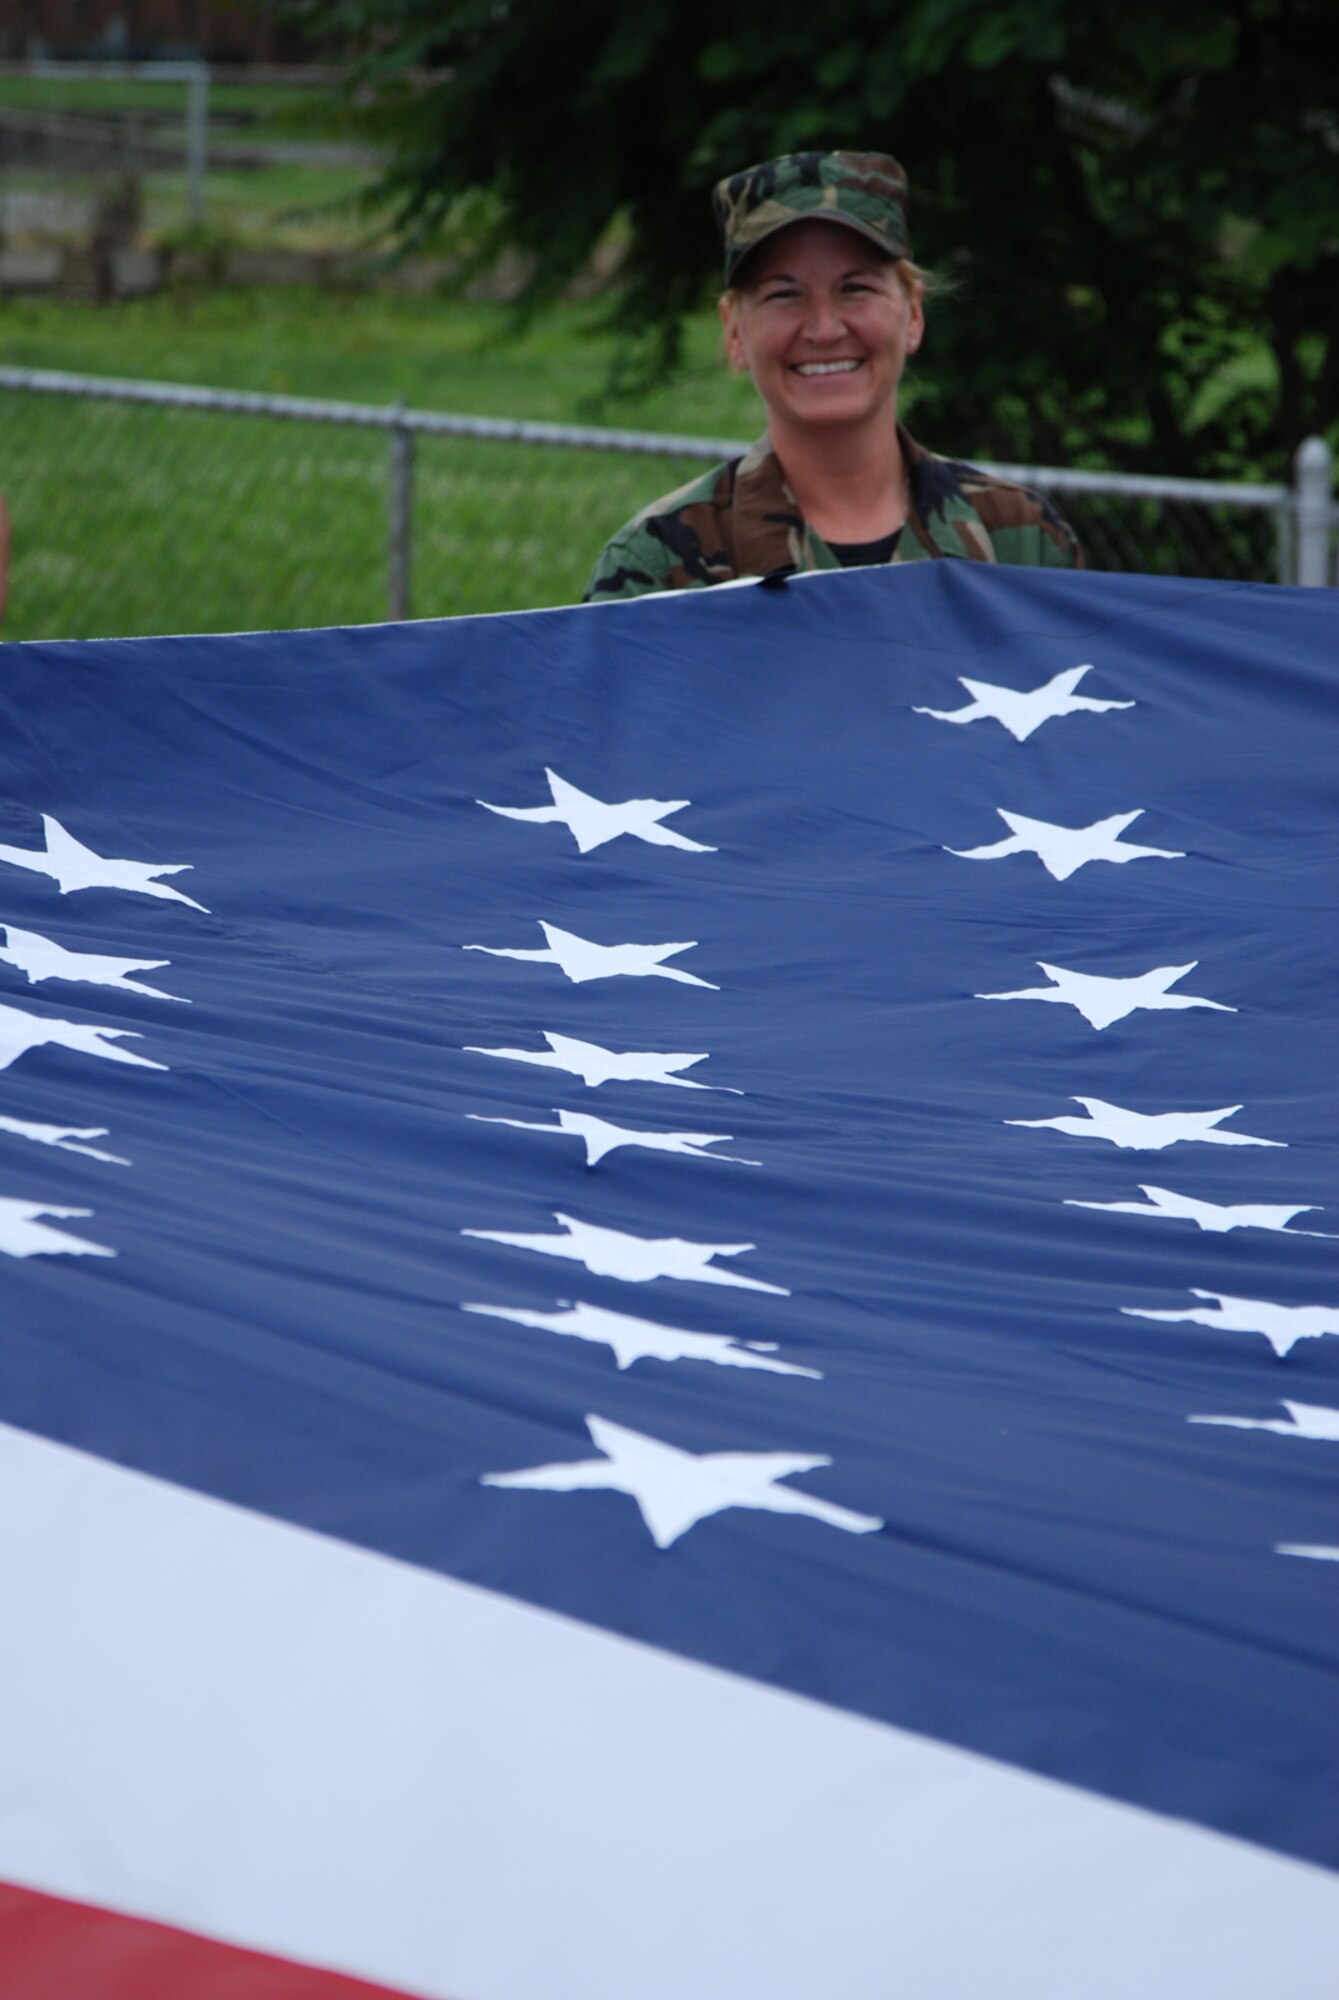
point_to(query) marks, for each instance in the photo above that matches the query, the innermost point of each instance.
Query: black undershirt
(855, 555)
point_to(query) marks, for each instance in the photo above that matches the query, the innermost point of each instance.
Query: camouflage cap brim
(740, 256)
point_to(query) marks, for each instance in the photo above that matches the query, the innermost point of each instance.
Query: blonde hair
(933, 284)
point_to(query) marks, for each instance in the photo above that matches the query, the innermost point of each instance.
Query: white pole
(197, 130)
(1312, 469)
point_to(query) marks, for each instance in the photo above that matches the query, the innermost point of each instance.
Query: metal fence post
(1312, 505)
(1284, 526)
(400, 519)
(197, 130)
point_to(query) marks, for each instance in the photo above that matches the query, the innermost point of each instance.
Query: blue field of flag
(795, 1124)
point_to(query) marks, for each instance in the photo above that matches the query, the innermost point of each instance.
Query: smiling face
(823, 323)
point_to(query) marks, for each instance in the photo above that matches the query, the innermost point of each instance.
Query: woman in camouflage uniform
(823, 306)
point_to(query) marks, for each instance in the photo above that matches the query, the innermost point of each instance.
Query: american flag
(482, 1522)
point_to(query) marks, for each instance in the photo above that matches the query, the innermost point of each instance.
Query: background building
(145, 30)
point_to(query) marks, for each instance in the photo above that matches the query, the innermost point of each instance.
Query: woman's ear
(732, 339)
(915, 318)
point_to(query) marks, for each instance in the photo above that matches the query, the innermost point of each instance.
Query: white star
(610, 1253)
(1207, 1214)
(39, 958)
(1316, 1550)
(591, 822)
(581, 960)
(1101, 1000)
(595, 1065)
(20, 1031)
(1146, 1132)
(1021, 713)
(676, 1489)
(601, 1137)
(647, 1340)
(1064, 849)
(1304, 1420)
(23, 1234)
(1282, 1326)
(73, 866)
(62, 1136)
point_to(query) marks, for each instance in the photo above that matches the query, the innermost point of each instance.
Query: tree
(1138, 200)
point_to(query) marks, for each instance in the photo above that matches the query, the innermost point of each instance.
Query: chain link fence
(141, 508)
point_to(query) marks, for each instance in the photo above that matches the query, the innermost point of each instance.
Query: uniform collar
(770, 533)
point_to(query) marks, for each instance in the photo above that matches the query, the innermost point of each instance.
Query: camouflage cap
(866, 192)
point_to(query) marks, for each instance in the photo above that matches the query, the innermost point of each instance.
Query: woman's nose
(823, 319)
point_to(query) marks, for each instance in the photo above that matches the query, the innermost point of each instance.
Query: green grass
(130, 520)
(286, 205)
(376, 347)
(274, 104)
(139, 521)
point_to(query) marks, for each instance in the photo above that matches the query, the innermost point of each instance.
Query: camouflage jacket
(740, 519)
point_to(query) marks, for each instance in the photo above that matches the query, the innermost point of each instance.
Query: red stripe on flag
(51, 1949)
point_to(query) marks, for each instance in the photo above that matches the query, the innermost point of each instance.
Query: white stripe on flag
(242, 1728)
